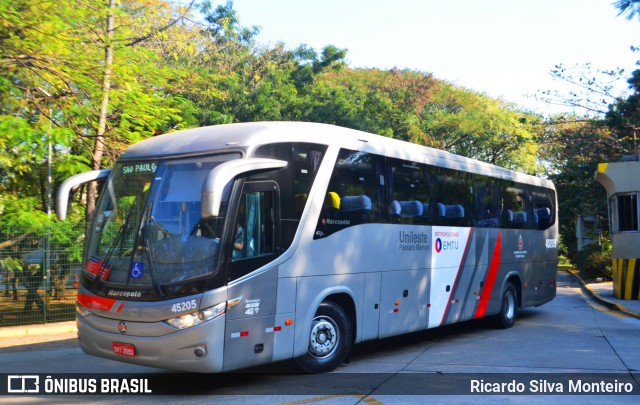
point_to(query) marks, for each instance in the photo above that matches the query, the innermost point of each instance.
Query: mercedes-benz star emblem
(122, 327)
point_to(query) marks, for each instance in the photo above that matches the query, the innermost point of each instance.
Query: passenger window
(410, 191)
(356, 193)
(515, 207)
(487, 196)
(542, 204)
(454, 198)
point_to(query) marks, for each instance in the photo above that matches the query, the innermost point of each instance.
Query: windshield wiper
(152, 267)
(119, 235)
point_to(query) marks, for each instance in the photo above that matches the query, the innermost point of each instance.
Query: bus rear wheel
(330, 339)
(506, 318)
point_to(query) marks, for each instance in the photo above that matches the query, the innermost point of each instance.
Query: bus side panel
(312, 291)
(525, 253)
(370, 307)
(404, 299)
(285, 310)
(248, 342)
(548, 266)
(450, 248)
(249, 334)
(466, 292)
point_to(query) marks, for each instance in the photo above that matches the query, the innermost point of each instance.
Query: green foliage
(594, 262)
(571, 152)
(176, 67)
(471, 124)
(624, 116)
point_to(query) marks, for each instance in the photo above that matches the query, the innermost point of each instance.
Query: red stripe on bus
(457, 279)
(489, 281)
(93, 302)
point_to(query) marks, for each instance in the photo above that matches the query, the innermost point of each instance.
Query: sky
(502, 48)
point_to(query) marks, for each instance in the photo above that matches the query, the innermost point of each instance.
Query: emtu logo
(438, 245)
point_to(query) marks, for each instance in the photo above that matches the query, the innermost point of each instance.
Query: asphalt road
(570, 337)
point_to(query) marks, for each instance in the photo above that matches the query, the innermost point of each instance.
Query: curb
(611, 305)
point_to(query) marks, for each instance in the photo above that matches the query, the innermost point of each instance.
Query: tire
(506, 318)
(330, 339)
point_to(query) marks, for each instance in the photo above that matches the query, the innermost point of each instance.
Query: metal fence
(38, 277)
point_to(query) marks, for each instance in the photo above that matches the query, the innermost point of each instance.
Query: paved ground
(63, 334)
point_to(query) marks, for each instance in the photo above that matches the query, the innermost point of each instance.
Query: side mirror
(62, 197)
(222, 174)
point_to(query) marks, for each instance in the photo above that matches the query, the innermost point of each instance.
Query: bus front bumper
(196, 349)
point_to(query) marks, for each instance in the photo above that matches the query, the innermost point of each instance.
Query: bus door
(254, 242)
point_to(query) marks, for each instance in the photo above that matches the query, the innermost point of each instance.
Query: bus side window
(515, 207)
(454, 198)
(543, 209)
(487, 196)
(409, 191)
(356, 193)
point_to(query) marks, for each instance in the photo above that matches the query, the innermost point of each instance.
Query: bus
(229, 246)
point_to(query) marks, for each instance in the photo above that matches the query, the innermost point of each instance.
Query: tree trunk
(98, 148)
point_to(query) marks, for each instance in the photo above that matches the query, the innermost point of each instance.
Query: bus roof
(247, 136)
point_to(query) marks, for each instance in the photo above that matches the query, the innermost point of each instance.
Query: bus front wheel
(330, 339)
(508, 308)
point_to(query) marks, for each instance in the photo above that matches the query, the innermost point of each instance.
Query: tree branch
(163, 28)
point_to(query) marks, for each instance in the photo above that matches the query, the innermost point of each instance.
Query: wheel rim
(509, 309)
(324, 337)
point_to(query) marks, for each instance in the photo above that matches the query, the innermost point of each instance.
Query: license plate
(124, 349)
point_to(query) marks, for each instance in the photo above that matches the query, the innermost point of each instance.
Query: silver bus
(223, 247)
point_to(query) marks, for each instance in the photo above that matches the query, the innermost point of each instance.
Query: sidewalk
(603, 294)
(15, 336)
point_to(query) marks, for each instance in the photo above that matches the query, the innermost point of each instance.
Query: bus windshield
(148, 232)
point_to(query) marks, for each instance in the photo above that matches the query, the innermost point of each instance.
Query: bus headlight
(196, 318)
(81, 310)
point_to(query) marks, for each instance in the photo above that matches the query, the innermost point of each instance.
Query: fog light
(200, 352)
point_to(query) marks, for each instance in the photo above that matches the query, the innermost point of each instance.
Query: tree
(473, 125)
(590, 91)
(628, 8)
(624, 116)
(67, 78)
(130, 17)
(571, 152)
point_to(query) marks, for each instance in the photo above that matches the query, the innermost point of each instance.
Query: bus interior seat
(356, 208)
(426, 214)
(395, 209)
(453, 211)
(517, 219)
(406, 209)
(544, 215)
(332, 204)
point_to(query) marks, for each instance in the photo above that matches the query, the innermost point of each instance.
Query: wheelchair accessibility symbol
(136, 269)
